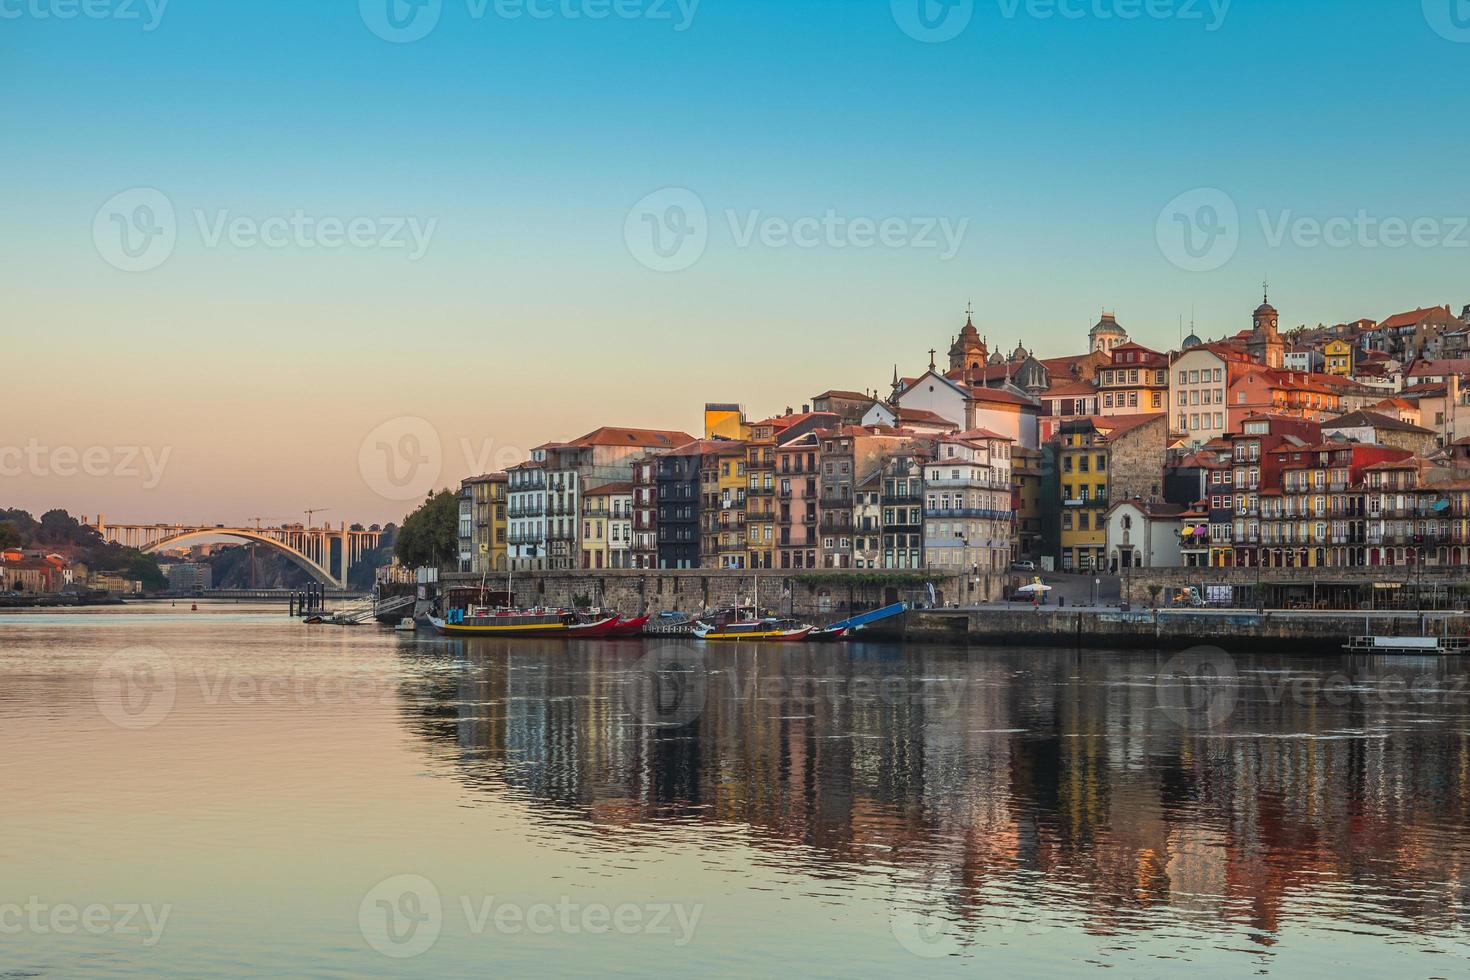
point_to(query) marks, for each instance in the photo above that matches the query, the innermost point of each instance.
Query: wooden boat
(629, 627)
(594, 627)
(830, 634)
(764, 630)
(504, 622)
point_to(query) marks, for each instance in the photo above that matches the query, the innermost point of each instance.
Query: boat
(847, 629)
(764, 630)
(406, 625)
(629, 627)
(483, 621)
(591, 627)
(670, 624)
(1411, 645)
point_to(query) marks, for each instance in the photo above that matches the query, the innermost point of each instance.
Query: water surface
(268, 798)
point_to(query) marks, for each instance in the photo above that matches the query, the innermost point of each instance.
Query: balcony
(941, 513)
(1086, 502)
(760, 491)
(967, 484)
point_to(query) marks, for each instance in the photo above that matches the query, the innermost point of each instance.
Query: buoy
(193, 607)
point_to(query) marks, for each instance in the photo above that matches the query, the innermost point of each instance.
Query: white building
(1005, 411)
(969, 524)
(525, 514)
(1144, 534)
(1198, 382)
(620, 527)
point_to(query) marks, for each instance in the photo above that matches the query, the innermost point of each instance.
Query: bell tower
(1265, 345)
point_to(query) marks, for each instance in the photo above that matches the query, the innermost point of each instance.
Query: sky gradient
(262, 356)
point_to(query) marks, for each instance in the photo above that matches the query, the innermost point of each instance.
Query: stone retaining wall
(1234, 630)
(636, 591)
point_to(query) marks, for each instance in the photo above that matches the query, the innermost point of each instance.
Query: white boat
(1411, 645)
(406, 624)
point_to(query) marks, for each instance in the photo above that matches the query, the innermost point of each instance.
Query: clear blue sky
(528, 140)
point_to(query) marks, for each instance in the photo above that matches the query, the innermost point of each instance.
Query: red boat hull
(601, 628)
(629, 627)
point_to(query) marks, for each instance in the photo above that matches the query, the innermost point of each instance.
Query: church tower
(969, 351)
(1107, 334)
(1265, 345)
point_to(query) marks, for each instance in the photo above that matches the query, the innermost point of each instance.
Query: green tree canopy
(430, 535)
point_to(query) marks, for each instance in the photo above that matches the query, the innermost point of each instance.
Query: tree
(10, 535)
(430, 535)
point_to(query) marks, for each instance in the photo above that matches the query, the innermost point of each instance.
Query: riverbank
(1274, 631)
(50, 600)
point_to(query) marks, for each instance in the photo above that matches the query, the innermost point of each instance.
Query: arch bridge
(325, 553)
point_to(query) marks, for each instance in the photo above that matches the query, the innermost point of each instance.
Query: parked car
(1024, 566)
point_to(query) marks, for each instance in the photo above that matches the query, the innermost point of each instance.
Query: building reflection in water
(1335, 791)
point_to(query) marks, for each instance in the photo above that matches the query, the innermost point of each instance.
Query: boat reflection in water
(1008, 790)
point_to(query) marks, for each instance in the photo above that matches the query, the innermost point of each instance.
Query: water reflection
(1013, 789)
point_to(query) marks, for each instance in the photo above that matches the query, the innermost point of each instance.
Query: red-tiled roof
(1440, 368)
(609, 489)
(1414, 316)
(981, 434)
(1361, 419)
(922, 416)
(1000, 395)
(611, 435)
(1069, 389)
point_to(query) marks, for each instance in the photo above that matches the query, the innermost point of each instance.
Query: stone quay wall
(1136, 581)
(636, 591)
(1237, 631)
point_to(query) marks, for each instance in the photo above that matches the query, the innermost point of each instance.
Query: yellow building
(760, 494)
(1338, 355)
(1082, 464)
(597, 518)
(487, 513)
(725, 422)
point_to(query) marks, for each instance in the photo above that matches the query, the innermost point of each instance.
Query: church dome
(1192, 341)
(1109, 324)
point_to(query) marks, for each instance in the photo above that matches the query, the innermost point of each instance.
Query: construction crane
(313, 511)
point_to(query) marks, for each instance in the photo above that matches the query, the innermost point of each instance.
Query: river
(226, 792)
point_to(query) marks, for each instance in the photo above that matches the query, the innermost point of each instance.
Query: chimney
(805, 409)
